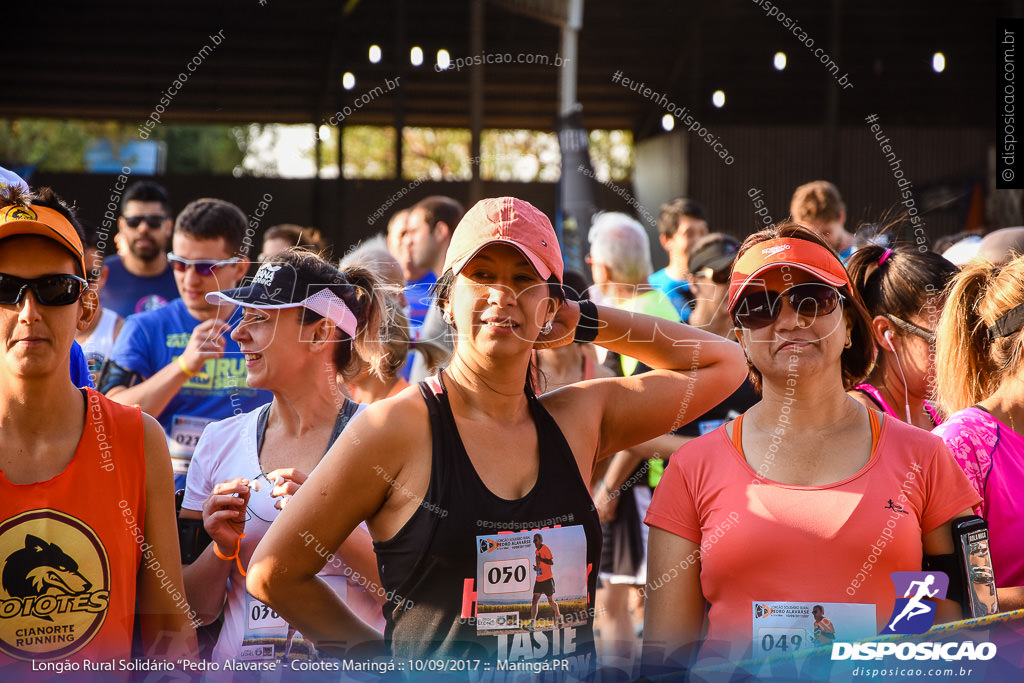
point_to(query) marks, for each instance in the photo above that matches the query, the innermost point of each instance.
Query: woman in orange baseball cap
(454, 475)
(87, 535)
(809, 498)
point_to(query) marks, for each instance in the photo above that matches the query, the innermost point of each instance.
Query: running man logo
(54, 587)
(914, 613)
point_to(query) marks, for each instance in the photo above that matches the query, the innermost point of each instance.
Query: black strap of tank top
(348, 410)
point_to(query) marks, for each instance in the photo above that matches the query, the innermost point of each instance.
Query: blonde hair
(399, 343)
(372, 255)
(969, 366)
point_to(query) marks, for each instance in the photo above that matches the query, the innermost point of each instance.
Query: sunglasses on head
(50, 290)
(203, 267)
(913, 329)
(153, 220)
(761, 308)
(720, 277)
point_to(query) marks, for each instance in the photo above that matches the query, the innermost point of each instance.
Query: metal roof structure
(283, 61)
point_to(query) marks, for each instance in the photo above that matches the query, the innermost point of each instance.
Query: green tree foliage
(369, 151)
(611, 153)
(206, 148)
(55, 145)
(61, 145)
(436, 153)
(443, 154)
(522, 155)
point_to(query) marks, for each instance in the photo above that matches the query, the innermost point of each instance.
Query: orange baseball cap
(511, 221)
(786, 251)
(45, 222)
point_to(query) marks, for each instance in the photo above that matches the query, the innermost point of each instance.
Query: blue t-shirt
(677, 292)
(417, 295)
(80, 368)
(127, 294)
(150, 341)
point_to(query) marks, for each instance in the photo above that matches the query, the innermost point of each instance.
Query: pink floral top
(992, 456)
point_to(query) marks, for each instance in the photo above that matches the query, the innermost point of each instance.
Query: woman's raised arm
(351, 484)
(693, 372)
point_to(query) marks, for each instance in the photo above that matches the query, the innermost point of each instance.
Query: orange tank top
(70, 546)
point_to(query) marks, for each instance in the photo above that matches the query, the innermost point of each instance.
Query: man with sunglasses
(710, 261)
(710, 264)
(139, 277)
(178, 362)
(86, 528)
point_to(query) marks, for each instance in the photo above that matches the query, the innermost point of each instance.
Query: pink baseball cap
(511, 221)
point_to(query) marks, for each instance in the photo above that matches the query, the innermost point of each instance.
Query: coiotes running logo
(54, 586)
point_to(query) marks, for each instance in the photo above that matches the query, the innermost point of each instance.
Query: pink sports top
(876, 396)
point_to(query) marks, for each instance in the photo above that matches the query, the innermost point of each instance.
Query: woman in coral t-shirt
(807, 500)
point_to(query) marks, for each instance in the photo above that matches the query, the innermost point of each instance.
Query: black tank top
(462, 573)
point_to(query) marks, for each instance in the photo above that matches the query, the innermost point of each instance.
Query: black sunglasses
(50, 290)
(153, 220)
(203, 267)
(761, 308)
(913, 329)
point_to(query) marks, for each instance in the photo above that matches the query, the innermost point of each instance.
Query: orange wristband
(238, 561)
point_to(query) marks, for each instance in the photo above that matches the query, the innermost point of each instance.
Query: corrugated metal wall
(943, 165)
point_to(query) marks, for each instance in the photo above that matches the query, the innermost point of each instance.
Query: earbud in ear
(906, 395)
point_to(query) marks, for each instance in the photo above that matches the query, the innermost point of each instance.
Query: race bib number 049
(781, 628)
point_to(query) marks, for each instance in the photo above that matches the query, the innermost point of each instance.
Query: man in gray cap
(710, 263)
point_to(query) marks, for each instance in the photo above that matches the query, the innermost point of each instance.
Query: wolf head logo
(55, 573)
(42, 568)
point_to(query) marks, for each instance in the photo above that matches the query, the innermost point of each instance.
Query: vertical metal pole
(341, 219)
(830, 162)
(570, 61)
(476, 98)
(318, 151)
(401, 55)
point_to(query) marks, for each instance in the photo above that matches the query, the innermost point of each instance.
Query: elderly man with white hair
(620, 262)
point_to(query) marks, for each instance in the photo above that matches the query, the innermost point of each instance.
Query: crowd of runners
(447, 447)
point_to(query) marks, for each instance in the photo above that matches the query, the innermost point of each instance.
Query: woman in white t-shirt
(304, 322)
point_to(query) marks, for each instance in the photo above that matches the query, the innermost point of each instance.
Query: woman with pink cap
(455, 476)
(809, 498)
